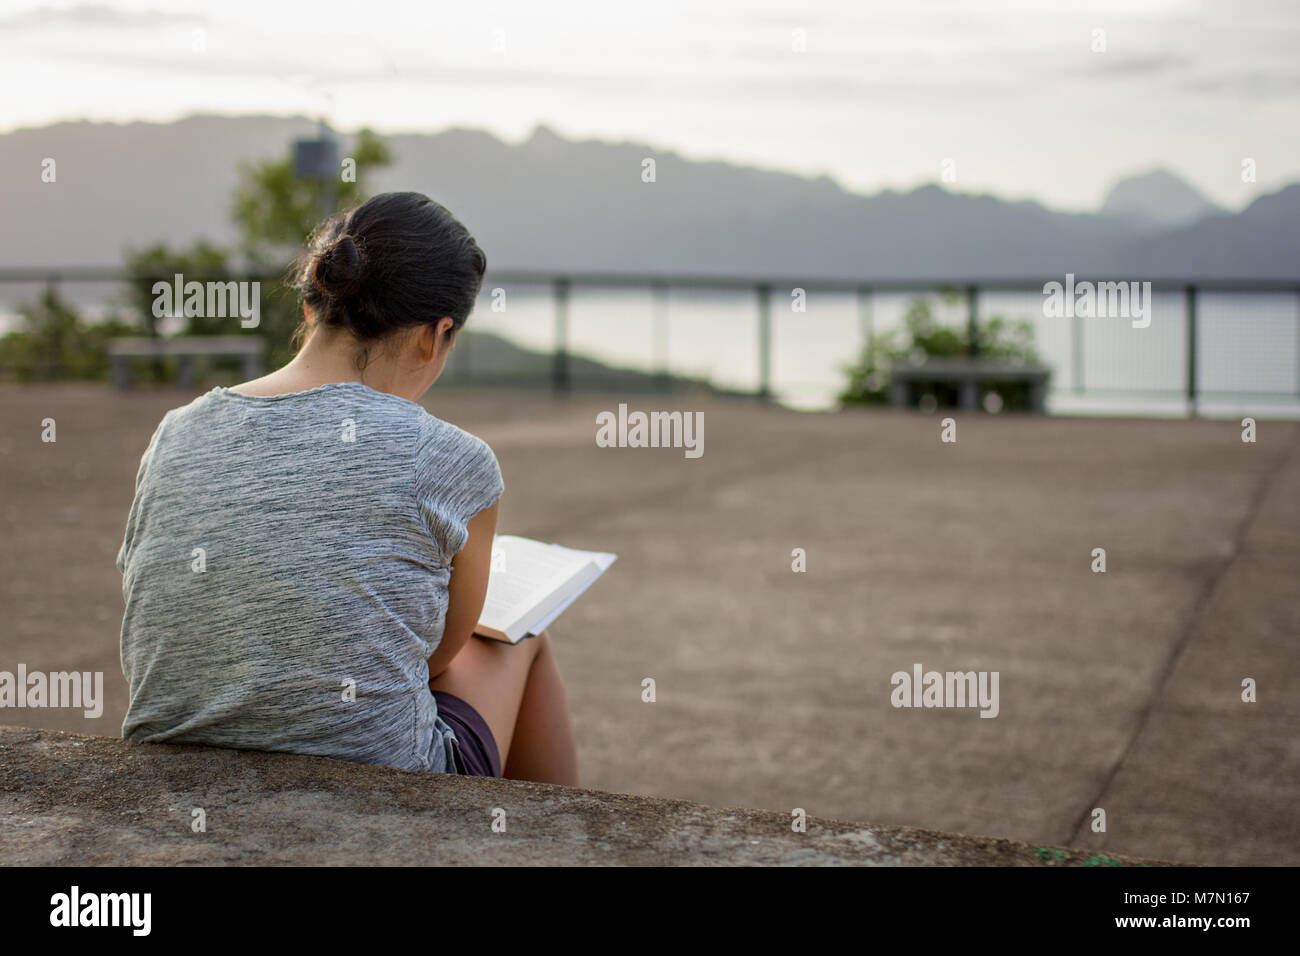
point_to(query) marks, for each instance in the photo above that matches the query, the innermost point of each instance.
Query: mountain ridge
(549, 203)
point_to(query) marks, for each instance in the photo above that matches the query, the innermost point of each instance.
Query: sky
(1026, 99)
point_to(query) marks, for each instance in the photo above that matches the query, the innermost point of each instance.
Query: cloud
(1247, 83)
(1136, 65)
(97, 15)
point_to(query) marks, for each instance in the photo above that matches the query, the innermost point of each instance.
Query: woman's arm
(468, 587)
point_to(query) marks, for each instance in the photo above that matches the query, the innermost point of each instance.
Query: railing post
(1191, 351)
(973, 321)
(660, 319)
(1077, 356)
(866, 319)
(560, 367)
(764, 342)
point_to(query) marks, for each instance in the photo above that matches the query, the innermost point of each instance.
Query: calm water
(1249, 351)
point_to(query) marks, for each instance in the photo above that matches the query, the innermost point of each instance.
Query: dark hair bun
(396, 261)
(339, 269)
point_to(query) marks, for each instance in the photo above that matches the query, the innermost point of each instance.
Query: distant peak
(1159, 198)
(544, 134)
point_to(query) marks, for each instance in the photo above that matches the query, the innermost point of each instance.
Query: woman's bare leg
(516, 689)
(543, 748)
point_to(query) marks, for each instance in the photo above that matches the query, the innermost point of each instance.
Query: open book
(532, 583)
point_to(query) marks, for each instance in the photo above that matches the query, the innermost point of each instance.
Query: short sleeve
(456, 477)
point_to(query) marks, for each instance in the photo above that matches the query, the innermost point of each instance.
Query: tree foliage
(274, 210)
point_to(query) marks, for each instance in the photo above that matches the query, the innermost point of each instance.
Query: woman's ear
(447, 332)
(435, 339)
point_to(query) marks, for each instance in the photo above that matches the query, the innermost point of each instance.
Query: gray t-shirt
(285, 569)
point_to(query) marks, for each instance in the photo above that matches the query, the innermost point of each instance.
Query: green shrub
(55, 343)
(924, 337)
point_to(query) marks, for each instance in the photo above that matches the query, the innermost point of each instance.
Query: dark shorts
(476, 749)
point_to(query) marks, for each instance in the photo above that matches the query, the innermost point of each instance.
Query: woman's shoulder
(439, 436)
(445, 448)
(456, 468)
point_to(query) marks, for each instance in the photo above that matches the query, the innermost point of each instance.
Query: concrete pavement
(1119, 690)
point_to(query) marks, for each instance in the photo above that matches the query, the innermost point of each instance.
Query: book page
(526, 574)
(600, 562)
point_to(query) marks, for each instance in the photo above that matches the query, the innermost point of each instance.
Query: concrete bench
(186, 348)
(71, 799)
(968, 375)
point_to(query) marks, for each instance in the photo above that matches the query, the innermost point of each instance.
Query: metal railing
(974, 292)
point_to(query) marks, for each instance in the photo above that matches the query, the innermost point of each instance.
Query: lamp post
(318, 160)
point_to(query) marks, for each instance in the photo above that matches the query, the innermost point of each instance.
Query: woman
(307, 554)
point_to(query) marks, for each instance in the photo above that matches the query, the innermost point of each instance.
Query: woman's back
(286, 564)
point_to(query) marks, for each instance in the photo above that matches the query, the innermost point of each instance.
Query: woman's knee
(529, 649)
(533, 647)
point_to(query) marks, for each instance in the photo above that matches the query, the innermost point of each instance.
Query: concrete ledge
(75, 800)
